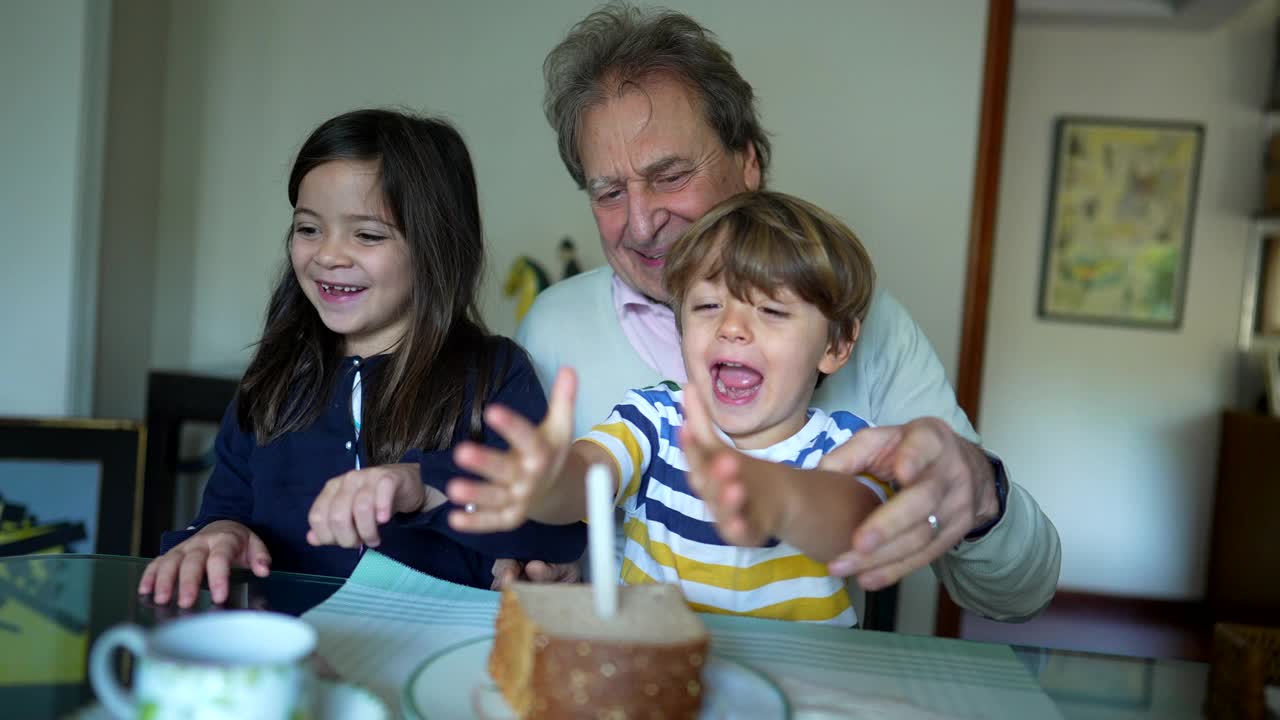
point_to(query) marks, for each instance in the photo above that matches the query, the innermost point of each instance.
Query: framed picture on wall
(1268, 307)
(1271, 378)
(70, 485)
(1118, 234)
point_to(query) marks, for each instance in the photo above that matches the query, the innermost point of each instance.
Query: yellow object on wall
(525, 280)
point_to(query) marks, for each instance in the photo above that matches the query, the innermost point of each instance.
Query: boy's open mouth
(734, 383)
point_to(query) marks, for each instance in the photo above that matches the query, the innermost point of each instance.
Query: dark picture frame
(119, 449)
(1120, 216)
(1271, 379)
(173, 400)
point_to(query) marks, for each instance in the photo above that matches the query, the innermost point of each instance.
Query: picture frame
(1121, 210)
(1271, 379)
(80, 479)
(174, 399)
(1267, 314)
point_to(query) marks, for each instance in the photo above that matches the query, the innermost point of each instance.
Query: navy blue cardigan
(270, 488)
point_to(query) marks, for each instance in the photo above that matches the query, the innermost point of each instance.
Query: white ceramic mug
(229, 665)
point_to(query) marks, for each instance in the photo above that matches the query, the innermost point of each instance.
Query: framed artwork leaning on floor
(70, 485)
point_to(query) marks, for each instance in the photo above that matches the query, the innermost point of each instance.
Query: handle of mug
(103, 676)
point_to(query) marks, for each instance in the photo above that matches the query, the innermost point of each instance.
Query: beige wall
(1114, 430)
(130, 200)
(873, 107)
(874, 114)
(52, 80)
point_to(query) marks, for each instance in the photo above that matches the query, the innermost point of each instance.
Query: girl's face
(350, 259)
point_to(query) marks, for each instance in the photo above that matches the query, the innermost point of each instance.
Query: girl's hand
(518, 477)
(351, 506)
(209, 554)
(507, 571)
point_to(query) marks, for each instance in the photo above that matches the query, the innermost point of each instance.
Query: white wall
(1115, 430)
(874, 113)
(52, 62)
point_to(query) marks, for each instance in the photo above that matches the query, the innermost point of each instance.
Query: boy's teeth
(720, 387)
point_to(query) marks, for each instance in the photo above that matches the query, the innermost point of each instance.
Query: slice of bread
(553, 657)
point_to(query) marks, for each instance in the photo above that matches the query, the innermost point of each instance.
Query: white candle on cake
(604, 573)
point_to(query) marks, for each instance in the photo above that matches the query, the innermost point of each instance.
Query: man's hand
(351, 506)
(209, 554)
(507, 571)
(518, 477)
(938, 473)
(740, 491)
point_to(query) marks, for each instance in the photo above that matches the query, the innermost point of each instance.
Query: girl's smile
(336, 293)
(350, 258)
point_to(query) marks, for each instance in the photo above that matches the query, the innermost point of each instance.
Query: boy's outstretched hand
(735, 487)
(518, 477)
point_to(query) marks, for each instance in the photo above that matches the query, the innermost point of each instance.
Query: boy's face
(755, 363)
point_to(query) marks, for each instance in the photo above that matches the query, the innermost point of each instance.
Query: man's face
(653, 167)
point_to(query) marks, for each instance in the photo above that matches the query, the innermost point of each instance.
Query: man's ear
(751, 175)
(838, 352)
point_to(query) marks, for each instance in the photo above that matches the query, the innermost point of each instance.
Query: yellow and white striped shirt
(670, 535)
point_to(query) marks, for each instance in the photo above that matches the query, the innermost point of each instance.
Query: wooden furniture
(1244, 567)
(1246, 659)
(172, 399)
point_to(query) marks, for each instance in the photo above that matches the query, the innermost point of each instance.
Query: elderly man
(657, 126)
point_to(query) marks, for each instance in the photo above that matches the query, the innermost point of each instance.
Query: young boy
(769, 293)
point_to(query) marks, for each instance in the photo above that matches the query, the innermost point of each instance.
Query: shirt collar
(628, 299)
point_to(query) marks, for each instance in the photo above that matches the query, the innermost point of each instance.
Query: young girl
(373, 364)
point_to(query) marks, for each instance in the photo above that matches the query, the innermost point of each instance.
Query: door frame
(982, 224)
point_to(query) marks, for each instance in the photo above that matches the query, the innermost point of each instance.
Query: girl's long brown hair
(416, 400)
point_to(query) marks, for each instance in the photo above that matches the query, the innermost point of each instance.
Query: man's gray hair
(620, 44)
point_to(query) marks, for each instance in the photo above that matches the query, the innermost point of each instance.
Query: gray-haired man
(657, 126)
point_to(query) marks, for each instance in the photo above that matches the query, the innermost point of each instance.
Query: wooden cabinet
(1244, 558)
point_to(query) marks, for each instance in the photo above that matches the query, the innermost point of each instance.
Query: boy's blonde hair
(766, 241)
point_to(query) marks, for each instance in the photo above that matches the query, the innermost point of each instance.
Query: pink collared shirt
(651, 329)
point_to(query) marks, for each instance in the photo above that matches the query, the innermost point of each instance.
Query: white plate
(454, 683)
(337, 701)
